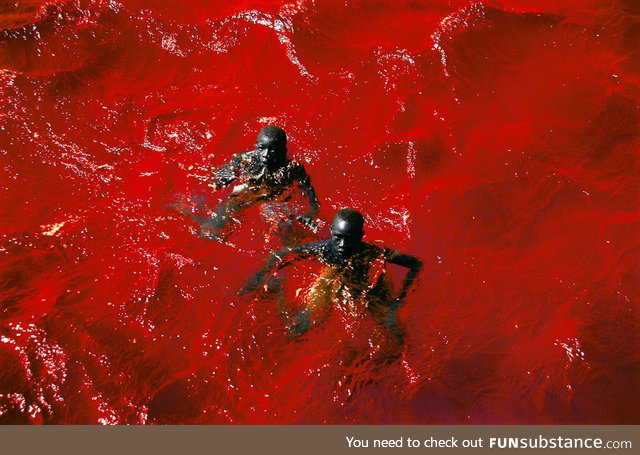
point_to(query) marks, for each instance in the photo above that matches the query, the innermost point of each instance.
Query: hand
(247, 289)
(252, 285)
(181, 207)
(239, 188)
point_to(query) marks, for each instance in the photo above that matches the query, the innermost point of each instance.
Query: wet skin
(344, 244)
(272, 152)
(346, 239)
(258, 176)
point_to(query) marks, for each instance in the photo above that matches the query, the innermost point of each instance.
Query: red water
(496, 141)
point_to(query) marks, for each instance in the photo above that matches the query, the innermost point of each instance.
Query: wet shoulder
(377, 249)
(296, 170)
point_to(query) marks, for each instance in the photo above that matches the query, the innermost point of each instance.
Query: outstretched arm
(414, 265)
(226, 174)
(305, 185)
(276, 261)
(279, 260)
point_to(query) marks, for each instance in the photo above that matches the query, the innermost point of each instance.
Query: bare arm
(313, 200)
(226, 174)
(305, 185)
(275, 262)
(280, 260)
(414, 265)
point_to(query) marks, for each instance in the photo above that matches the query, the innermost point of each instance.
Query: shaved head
(351, 216)
(347, 231)
(274, 133)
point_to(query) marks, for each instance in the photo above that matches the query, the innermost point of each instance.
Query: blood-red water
(497, 141)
